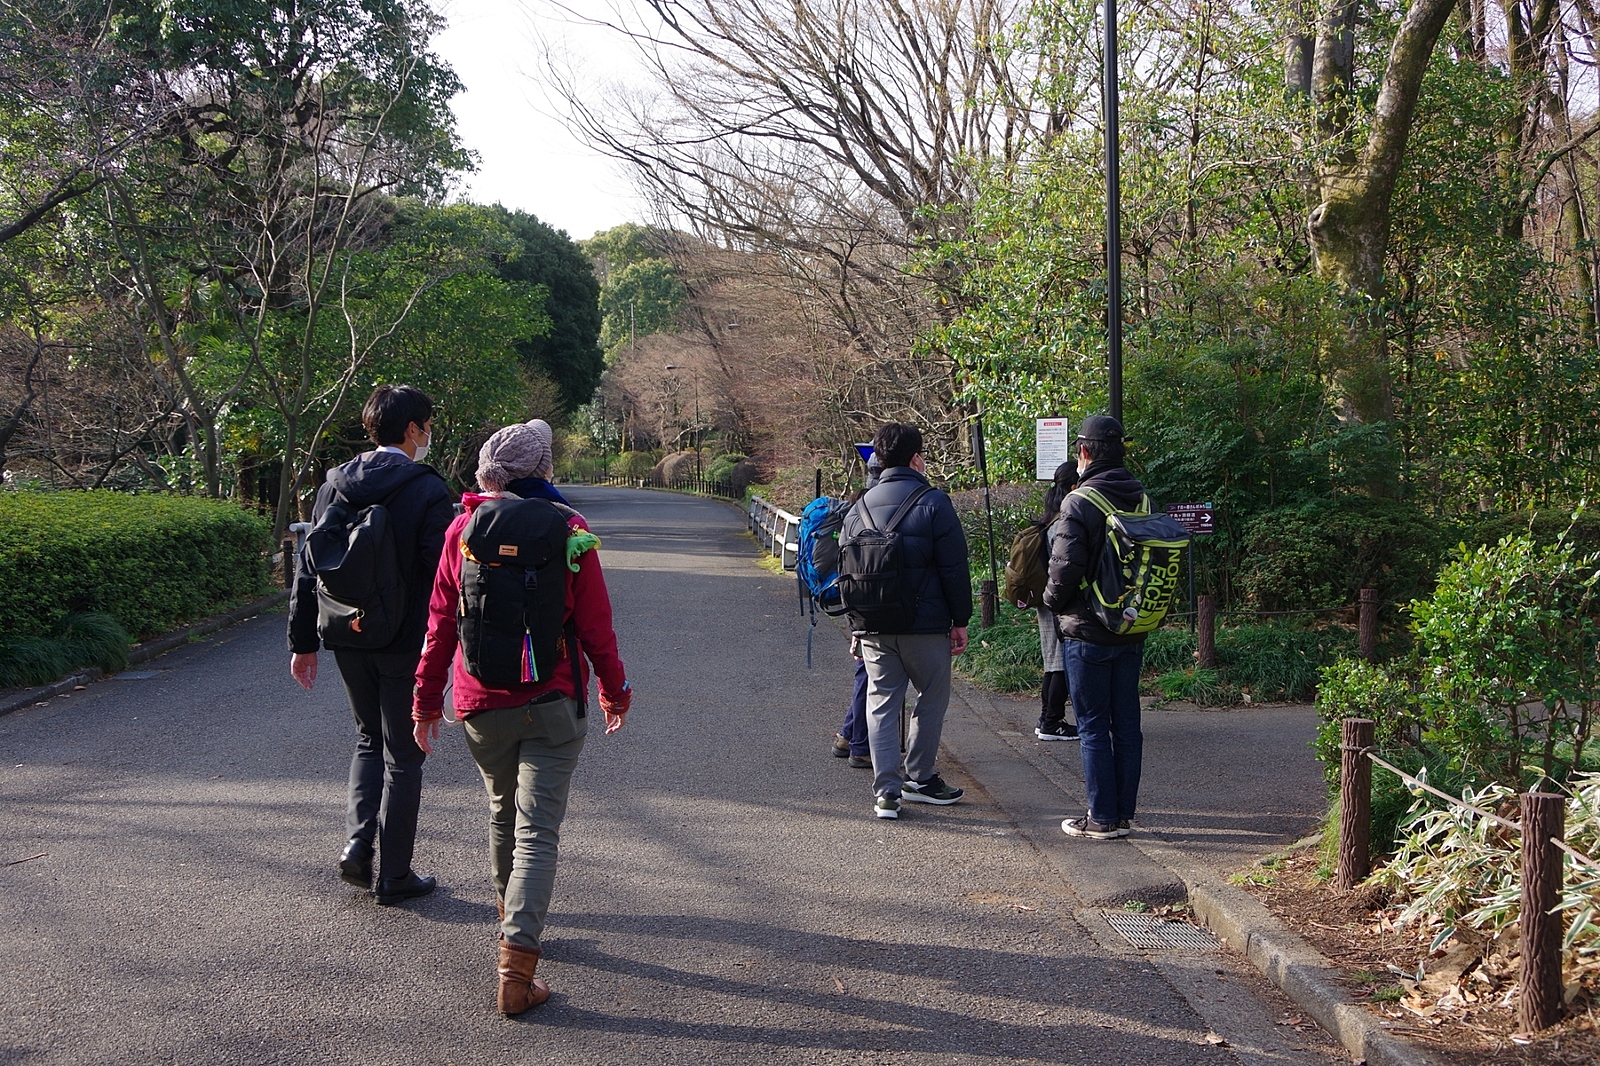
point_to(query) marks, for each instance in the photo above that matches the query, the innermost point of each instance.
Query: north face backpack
(514, 591)
(1136, 577)
(873, 586)
(1026, 570)
(361, 594)
(816, 561)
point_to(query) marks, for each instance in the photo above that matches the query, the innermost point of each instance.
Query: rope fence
(1543, 832)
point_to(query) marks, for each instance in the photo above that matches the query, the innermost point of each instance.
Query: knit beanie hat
(518, 451)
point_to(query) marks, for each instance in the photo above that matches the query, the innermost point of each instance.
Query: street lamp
(1113, 216)
(695, 375)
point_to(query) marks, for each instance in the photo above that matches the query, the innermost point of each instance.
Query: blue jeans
(855, 720)
(1105, 696)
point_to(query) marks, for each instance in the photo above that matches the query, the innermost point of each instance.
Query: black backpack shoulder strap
(905, 506)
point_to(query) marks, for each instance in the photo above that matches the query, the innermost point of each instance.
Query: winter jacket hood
(1076, 542)
(934, 544)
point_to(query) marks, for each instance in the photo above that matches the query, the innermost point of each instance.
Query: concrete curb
(141, 653)
(1286, 960)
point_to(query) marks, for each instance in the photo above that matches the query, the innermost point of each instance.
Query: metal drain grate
(1149, 931)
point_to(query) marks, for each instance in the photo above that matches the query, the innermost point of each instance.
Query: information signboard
(1052, 446)
(1195, 517)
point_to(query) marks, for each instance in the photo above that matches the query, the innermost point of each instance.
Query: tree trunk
(1350, 223)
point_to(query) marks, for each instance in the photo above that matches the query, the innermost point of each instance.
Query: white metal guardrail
(776, 530)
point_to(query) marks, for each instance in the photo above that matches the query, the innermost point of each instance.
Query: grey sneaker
(1124, 828)
(933, 790)
(886, 807)
(861, 761)
(1084, 827)
(1059, 731)
(841, 746)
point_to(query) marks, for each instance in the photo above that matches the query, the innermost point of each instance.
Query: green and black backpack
(1135, 580)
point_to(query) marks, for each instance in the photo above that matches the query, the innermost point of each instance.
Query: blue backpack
(816, 565)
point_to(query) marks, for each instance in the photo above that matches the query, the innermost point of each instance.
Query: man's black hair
(896, 443)
(390, 409)
(1101, 450)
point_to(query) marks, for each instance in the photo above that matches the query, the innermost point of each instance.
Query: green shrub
(1269, 662)
(633, 464)
(721, 468)
(1323, 553)
(149, 562)
(84, 639)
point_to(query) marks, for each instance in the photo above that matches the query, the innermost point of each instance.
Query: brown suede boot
(519, 989)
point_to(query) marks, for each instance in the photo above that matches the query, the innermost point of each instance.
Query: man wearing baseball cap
(1102, 667)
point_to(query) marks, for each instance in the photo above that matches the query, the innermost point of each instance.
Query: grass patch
(81, 639)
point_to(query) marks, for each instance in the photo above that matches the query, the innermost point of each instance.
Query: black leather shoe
(355, 865)
(398, 890)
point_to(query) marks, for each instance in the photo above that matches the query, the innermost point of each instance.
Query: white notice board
(1052, 446)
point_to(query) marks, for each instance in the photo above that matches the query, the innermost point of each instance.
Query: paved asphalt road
(724, 895)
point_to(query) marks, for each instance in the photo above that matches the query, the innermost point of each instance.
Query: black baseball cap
(1100, 427)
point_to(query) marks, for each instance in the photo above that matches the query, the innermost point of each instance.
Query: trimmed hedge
(150, 562)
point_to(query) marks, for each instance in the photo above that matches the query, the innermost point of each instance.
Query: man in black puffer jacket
(1102, 666)
(386, 771)
(935, 561)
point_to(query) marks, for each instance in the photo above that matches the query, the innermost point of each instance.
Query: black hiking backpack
(513, 602)
(361, 594)
(873, 585)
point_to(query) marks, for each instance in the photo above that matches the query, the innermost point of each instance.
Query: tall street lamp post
(1113, 145)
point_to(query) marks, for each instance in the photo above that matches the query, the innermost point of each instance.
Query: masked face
(422, 449)
(1083, 461)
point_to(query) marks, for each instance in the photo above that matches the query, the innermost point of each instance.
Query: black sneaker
(841, 746)
(933, 790)
(1059, 731)
(886, 807)
(1084, 827)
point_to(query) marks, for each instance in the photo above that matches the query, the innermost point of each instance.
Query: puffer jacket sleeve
(950, 559)
(591, 620)
(1073, 547)
(303, 639)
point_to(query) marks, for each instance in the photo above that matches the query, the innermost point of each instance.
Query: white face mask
(422, 449)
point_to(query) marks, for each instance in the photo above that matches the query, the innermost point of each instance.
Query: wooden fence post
(1205, 640)
(1543, 818)
(986, 602)
(1367, 625)
(1355, 803)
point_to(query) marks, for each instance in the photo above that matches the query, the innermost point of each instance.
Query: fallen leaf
(1215, 1040)
(839, 985)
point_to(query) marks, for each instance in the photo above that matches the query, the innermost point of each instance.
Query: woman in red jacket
(525, 728)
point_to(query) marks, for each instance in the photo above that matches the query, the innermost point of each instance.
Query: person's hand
(303, 668)
(426, 733)
(616, 707)
(958, 640)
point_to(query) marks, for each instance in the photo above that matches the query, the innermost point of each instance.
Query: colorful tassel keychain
(530, 668)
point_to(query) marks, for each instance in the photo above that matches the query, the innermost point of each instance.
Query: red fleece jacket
(588, 609)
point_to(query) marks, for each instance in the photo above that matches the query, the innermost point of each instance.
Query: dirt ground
(1461, 1008)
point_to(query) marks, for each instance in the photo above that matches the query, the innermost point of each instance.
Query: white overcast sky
(526, 157)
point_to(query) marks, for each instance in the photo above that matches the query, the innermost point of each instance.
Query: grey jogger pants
(894, 661)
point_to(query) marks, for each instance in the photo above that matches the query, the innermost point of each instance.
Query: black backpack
(873, 585)
(514, 591)
(361, 594)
